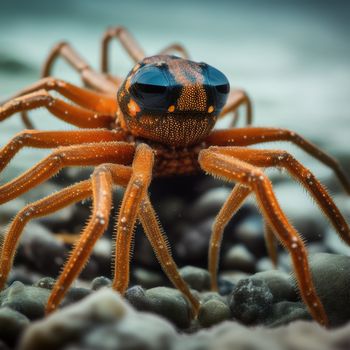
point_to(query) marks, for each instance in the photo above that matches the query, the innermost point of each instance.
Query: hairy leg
(236, 99)
(75, 115)
(169, 50)
(254, 135)
(90, 77)
(77, 155)
(230, 207)
(54, 139)
(45, 206)
(233, 169)
(160, 246)
(134, 193)
(95, 101)
(127, 41)
(276, 158)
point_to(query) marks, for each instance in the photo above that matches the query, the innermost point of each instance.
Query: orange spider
(160, 124)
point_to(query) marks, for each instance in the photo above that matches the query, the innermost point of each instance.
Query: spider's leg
(72, 114)
(253, 135)
(54, 139)
(95, 101)
(236, 99)
(90, 77)
(230, 207)
(160, 246)
(78, 155)
(134, 193)
(102, 184)
(169, 50)
(45, 206)
(127, 41)
(271, 244)
(233, 169)
(276, 158)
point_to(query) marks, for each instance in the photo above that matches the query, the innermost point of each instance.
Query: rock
(75, 294)
(285, 312)
(100, 282)
(332, 280)
(239, 258)
(147, 278)
(212, 312)
(334, 244)
(280, 284)
(251, 301)
(167, 302)
(196, 277)
(12, 324)
(225, 286)
(101, 321)
(28, 300)
(45, 282)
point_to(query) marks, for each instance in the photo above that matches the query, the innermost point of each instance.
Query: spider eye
(150, 86)
(220, 83)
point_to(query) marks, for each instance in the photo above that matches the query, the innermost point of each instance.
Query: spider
(159, 121)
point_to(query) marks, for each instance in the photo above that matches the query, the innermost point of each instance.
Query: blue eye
(219, 85)
(150, 86)
(218, 80)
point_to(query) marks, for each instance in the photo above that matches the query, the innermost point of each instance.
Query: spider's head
(172, 100)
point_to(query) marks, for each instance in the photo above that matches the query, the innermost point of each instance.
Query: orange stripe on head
(133, 108)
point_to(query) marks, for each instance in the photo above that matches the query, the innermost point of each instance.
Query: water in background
(292, 57)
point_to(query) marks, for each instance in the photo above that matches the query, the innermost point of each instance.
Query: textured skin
(190, 116)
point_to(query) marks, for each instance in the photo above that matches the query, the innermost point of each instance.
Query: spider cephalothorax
(172, 100)
(161, 124)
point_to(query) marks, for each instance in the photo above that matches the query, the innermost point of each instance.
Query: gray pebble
(147, 278)
(12, 324)
(332, 280)
(28, 300)
(251, 301)
(212, 312)
(240, 258)
(285, 312)
(100, 282)
(45, 282)
(197, 278)
(280, 284)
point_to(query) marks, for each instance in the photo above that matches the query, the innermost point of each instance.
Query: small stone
(285, 312)
(45, 282)
(12, 324)
(28, 300)
(100, 282)
(240, 258)
(212, 312)
(196, 277)
(147, 278)
(332, 281)
(280, 284)
(136, 296)
(75, 294)
(251, 301)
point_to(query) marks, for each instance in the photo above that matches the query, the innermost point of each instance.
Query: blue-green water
(292, 57)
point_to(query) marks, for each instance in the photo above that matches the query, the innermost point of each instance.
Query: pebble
(101, 321)
(251, 301)
(164, 301)
(239, 258)
(285, 312)
(28, 300)
(197, 278)
(332, 280)
(212, 312)
(147, 278)
(12, 324)
(280, 284)
(100, 282)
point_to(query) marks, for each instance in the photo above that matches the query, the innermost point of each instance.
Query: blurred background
(293, 57)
